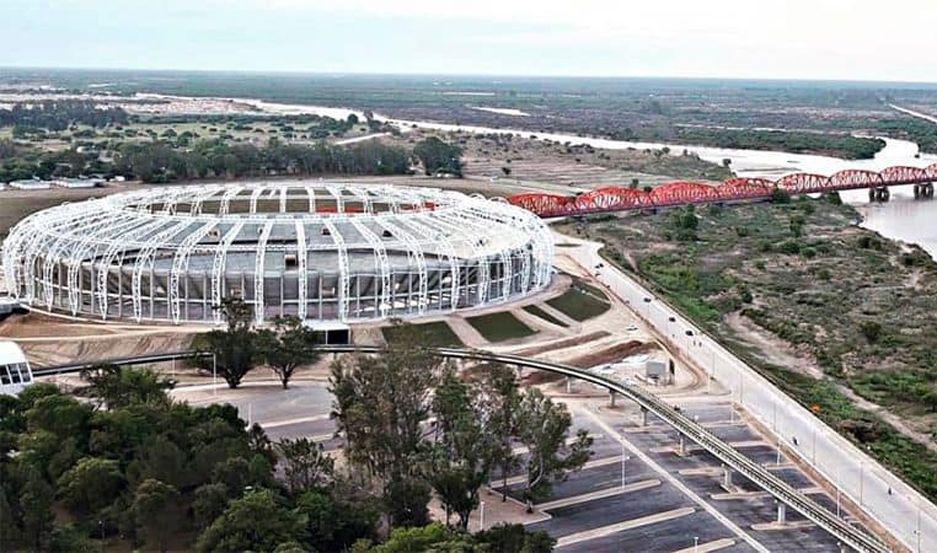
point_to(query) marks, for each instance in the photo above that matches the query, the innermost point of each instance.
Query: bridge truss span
(608, 199)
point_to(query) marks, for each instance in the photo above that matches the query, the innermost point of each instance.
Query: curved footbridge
(849, 535)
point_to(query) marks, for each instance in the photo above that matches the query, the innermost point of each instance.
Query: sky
(805, 39)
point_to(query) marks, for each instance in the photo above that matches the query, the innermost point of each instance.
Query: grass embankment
(841, 310)
(581, 302)
(436, 334)
(537, 311)
(501, 326)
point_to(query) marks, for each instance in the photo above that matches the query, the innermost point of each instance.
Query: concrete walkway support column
(727, 477)
(611, 398)
(644, 416)
(782, 513)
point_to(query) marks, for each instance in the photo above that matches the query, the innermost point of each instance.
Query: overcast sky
(812, 39)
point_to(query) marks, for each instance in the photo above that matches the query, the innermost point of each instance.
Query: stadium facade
(319, 251)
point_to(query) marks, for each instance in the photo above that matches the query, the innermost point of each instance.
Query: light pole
(214, 373)
(623, 459)
(695, 544)
(481, 516)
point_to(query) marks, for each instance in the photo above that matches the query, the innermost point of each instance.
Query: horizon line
(298, 72)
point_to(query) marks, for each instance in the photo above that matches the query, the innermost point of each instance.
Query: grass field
(498, 327)
(538, 312)
(436, 334)
(579, 304)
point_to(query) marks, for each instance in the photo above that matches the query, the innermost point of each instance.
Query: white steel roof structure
(322, 251)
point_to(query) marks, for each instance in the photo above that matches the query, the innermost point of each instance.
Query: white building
(31, 184)
(78, 183)
(15, 373)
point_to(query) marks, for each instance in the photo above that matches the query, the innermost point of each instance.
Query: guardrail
(848, 534)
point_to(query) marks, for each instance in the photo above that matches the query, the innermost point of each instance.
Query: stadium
(319, 251)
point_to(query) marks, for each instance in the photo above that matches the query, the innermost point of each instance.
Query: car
(647, 300)
(631, 328)
(672, 319)
(689, 333)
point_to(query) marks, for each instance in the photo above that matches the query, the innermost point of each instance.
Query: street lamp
(214, 373)
(695, 544)
(623, 459)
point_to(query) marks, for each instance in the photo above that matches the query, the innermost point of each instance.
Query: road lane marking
(600, 494)
(625, 525)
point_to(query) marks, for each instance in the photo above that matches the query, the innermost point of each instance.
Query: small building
(330, 333)
(31, 184)
(15, 374)
(82, 182)
(658, 372)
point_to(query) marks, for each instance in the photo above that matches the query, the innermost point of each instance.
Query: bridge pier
(611, 399)
(643, 416)
(879, 194)
(782, 513)
(681, 447)
(727, 477)
(924, 191)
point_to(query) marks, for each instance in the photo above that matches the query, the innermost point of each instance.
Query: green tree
(115, 387)
(259, 521)
(381, 404)
(462, 461)
(305, 463)
(35, 504)
(500, 400)
(543, 428)
(91, 485)
(233, 351)
(439, 157)
(336, 518)
(288, 346)
(156, 512)
(208, 503)
(513, 538)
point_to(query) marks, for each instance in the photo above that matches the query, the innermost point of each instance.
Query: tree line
(162, 161)
(58, 115)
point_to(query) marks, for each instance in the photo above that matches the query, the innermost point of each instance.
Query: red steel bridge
(620, 198)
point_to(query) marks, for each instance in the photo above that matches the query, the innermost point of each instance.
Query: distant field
(498, 327)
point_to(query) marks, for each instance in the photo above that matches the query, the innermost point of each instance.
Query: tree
(115, 387)
(91, 485)
(513, 538)
(500, 400)
(156, 511)
(208, 503)
(462, 461)
(35, 504)
(256, 522)
(232, 352)
(288, 346)
(306, 465)
(542, 428)
(439, 157)
(381, 404)
(335, 519)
